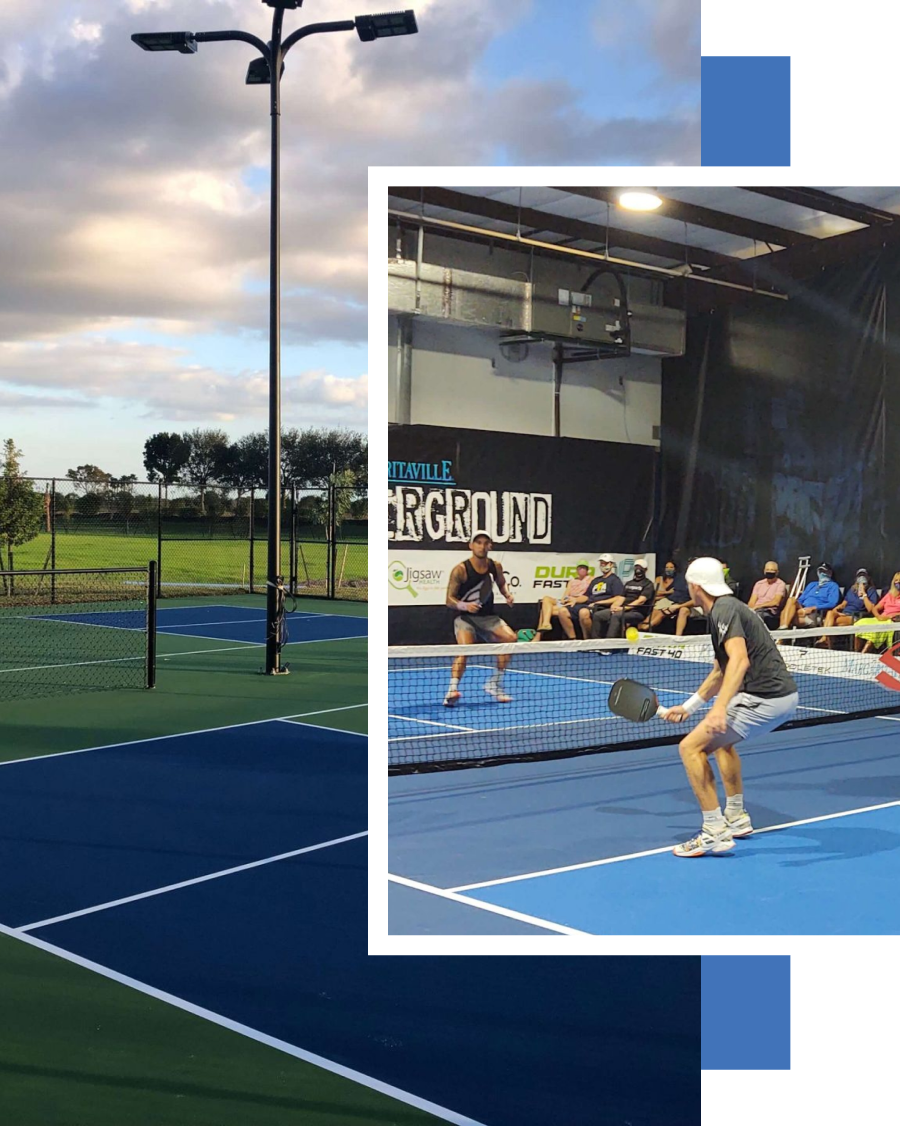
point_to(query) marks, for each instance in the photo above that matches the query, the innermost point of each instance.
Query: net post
(159, 570)
(152, 574)
(292, 549)
(252, 534)
(53, 515)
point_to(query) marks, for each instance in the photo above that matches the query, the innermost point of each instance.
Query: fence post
(159, 574)
(252, 532)
(53, 539)
(331, 545)
(152, 587)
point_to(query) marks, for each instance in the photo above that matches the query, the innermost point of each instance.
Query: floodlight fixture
(283, 3)
(639, 199)
(259, 73)
(384, 25)
(181, 41)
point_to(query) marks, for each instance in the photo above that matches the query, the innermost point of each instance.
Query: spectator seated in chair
(564, 608)
(605, 592)
(813, 603)
(671, 596)
(768, 595)
(857, 603)
(887, 609)
(639, 594)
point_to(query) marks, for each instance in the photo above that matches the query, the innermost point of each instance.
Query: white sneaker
(740, 824)
(496, 693)
(716, 841)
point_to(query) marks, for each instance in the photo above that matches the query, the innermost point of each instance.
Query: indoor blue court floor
(577, 845)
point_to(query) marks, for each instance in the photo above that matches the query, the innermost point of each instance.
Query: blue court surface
(224, 623)
(224, 871)
(583, 844)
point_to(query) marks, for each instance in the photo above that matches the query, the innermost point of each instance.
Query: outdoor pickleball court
(183, 916)
(583, 844)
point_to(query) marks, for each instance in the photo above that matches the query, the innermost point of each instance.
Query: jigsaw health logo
(425, 507)
(403, 576)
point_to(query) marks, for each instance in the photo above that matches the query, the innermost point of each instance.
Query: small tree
(21, 508)
(206, 459)
(165, 456)
(89, 478)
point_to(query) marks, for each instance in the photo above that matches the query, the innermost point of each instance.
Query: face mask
(669, 572)
(897, 586)
(638, 573)
(769, 574)
(822, 578)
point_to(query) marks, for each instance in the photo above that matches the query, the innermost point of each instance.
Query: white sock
(454, 684)
(495, 680)
(734, 805)
(713, 819)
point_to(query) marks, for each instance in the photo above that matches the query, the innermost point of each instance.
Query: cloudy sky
(133, 191)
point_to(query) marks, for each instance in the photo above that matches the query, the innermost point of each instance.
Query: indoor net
(559, 692)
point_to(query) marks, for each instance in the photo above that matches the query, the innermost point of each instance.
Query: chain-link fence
(207, 539)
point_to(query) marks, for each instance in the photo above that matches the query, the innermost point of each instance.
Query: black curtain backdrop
(603, 497)
(780, 429)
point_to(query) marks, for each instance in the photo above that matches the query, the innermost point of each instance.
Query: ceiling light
(639, 199)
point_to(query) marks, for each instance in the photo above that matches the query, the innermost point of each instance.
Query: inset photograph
(644, 573)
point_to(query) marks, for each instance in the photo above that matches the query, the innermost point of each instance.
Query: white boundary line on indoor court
(657, 851)
(455, 897)
(245, 1030)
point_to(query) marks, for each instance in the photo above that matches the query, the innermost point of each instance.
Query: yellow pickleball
(632, 634)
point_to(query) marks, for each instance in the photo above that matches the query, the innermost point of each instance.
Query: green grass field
(200, 565)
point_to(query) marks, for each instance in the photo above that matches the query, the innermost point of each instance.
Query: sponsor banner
(419, 578)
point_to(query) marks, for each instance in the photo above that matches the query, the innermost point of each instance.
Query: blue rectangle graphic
(746, 110)
(758, 986)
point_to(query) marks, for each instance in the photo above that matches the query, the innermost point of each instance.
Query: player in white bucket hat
(754, 693)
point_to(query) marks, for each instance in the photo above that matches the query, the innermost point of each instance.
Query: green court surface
(78, 1049)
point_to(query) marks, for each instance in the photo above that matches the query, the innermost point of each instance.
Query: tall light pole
(267, 70)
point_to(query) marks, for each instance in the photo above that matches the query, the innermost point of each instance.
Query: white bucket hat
(708, 573)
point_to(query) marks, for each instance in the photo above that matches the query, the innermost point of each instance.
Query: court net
(559, 691)
(65, 631)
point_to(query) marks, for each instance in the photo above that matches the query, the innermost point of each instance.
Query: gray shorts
(484, 626)
(751, 716)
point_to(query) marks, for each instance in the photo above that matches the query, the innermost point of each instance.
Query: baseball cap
(582, 563)
(641, 563)
(707, 573)
(477, 535)
(862, 571)
(826, 567)
(606, 558)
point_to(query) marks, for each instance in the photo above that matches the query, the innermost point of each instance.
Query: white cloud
(163, 383)
(128, 194)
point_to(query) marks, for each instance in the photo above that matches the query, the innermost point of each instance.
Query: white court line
(368, 1081)
(252, 644)
(430, 722)
(657, 851)
(183, 734)
(187, 883)
(451, 894)
(75, 664)
(892, 718)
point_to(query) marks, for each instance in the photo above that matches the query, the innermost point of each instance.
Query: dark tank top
(478, 588)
